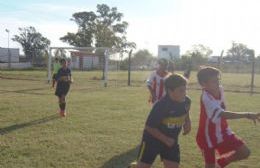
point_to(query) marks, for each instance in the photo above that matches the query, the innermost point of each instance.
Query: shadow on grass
(26, 91)
(14, 127)
(122, 160)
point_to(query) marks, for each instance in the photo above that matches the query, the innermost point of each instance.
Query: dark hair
(63, 60)
(206, 73)
(174, 81)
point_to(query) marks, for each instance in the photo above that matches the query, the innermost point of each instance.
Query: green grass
(104, 125)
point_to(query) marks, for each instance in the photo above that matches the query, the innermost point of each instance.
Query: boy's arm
(187, 125)
(149, 86)
(160, 136)
(152, 93)
(70, 77)
(187, 122)
(153, 122)
(58, 75)
(238, 115)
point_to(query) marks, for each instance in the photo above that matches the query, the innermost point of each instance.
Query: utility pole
(129, 68)
(9, 54)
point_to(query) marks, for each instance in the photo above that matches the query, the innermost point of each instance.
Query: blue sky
(214, 23)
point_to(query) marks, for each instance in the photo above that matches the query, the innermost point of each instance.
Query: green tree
(103, 28)
(86, 26)
(198, 55)
(142, 57)
(200, 50)
(33, 43)
(238, 51)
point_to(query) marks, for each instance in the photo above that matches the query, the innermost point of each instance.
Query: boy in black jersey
(64, 80)
(164, 123)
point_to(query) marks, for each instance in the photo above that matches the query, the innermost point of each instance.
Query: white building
(82, 60)
(14, 55)
(169, 52)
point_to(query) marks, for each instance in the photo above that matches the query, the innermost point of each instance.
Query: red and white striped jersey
(156, 81)
(213, 129)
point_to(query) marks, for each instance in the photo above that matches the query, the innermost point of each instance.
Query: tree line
(105, 27)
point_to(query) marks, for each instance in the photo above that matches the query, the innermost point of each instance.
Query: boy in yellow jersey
(164, 124)
(64, 80)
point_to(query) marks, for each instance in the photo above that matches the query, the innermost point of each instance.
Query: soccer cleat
(132, 165)
(221, 163)
(62, 113)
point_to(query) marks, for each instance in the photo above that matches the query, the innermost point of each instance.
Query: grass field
(104, 125)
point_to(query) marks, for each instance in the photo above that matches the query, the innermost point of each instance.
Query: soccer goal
(92, 59)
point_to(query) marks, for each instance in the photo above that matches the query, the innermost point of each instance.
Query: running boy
(213, 132)
(155, 83)
(164, 124)
(64, 80)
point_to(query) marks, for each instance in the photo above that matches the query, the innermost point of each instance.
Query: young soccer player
(64, 80)
(164, 123)
(56, 67)
(213, 132)
(155, 82)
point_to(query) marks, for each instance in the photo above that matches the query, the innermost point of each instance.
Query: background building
(14, 55)
(169, 52)
(84, 61)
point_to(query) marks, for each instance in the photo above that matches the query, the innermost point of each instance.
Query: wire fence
(235, 82)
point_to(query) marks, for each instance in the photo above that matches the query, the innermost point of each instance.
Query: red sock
(222, 162)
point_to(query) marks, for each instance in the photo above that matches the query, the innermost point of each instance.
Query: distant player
(64, 80)
(214, 133)
(155, 82)
(164, 124)
(187, 72)
(56, 67)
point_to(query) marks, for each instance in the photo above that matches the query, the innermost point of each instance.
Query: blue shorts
(150, 148)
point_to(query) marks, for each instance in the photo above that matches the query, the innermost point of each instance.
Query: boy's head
(63, 62)
(56, 59)
(175, 86)
(209, 78)
(162, 64)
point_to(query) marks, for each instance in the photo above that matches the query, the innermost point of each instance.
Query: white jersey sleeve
(212, 106)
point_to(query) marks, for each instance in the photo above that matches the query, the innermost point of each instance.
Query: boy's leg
(209, 157)
(147, 154)
(170, 164)
(62, 102)
(53, 80)
(233, 149)
(239, 154)
(53, 83)
(170, 156)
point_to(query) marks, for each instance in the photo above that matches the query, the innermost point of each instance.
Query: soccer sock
(223, 161)
(53, 83)
(62, 106)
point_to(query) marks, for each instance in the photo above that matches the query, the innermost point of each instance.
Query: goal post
(90, 50)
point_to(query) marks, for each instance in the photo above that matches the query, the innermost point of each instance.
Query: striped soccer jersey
(156, 82)
(213, 129)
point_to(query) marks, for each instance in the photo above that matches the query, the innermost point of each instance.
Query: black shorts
(62, 88)
(149, 149)
(54, 76)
